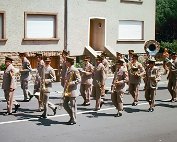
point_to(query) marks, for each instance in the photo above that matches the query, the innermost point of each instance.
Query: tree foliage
(166, 20)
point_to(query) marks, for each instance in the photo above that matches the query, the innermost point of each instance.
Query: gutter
(65, 25)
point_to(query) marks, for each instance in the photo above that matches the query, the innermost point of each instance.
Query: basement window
(132, 1)
(41, 26)
(2, 26)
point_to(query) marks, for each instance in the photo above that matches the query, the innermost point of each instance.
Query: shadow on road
(166, 105)
(132, 110)
(47, 122)
(161, 88)
(97, 114)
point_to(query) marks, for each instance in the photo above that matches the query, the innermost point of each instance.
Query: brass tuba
(152, 47)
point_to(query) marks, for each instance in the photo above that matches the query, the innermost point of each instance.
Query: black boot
(16, 107)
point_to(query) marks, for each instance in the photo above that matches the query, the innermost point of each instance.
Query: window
(96, 0)
(2, 26)
(135, 1)
(41, 26)
(131, 30)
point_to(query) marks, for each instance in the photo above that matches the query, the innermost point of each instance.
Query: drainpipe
(65, 24)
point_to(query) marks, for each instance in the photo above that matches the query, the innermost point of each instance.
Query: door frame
(101, 18)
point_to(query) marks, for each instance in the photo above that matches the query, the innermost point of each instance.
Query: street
(136, 124)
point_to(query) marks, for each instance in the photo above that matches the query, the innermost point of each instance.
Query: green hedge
(2, 67)
(171, 46)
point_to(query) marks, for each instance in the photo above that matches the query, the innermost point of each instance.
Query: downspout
(65, 25)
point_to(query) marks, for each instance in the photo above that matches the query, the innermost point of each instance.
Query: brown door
(97, 34)
(54, 64)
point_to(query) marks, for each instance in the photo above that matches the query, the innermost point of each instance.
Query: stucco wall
(80, 11)
(14, 10)
(79, 14)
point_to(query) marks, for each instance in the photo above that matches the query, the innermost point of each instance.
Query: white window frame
(2, 26)
(41, 32)
(131, 30)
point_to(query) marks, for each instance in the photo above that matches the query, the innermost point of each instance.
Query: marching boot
(16, 107)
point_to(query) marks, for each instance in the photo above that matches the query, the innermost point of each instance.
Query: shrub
(2, 67)
(79, 64)
(172, 47)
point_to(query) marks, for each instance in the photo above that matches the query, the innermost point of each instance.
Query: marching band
(92, 79)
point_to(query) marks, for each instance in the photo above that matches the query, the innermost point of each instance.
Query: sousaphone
(152, 47)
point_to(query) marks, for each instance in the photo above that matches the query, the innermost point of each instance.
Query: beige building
(79, 26)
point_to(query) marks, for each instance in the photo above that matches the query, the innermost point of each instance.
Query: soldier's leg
(16, 104)
(148, 97)
(82, 91)
(120, 103)
(103, 91)
(98, 98)
(175, 91)
(53, 107)
(93, 93)
(147, 94)
(41, 100)
(38, 96)
(23, 85)
(27, 92)
(114, 99)
(132, 91)
(45, 101)
(137, 86)
(11, 95)
(152, 98)
(73, 108)
(7, 97)
(170, 88)
(88, 90)
(66, 106)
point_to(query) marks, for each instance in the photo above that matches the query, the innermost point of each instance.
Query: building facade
(53, 25)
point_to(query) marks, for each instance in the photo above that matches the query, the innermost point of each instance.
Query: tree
(166, 20)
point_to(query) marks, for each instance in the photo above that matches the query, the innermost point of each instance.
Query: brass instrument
(152, 47)
(66, 92)
(154, 78)
(153, 82)
(169, 63)
(134, 70)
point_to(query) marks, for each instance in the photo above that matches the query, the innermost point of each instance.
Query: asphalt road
(136, 124)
